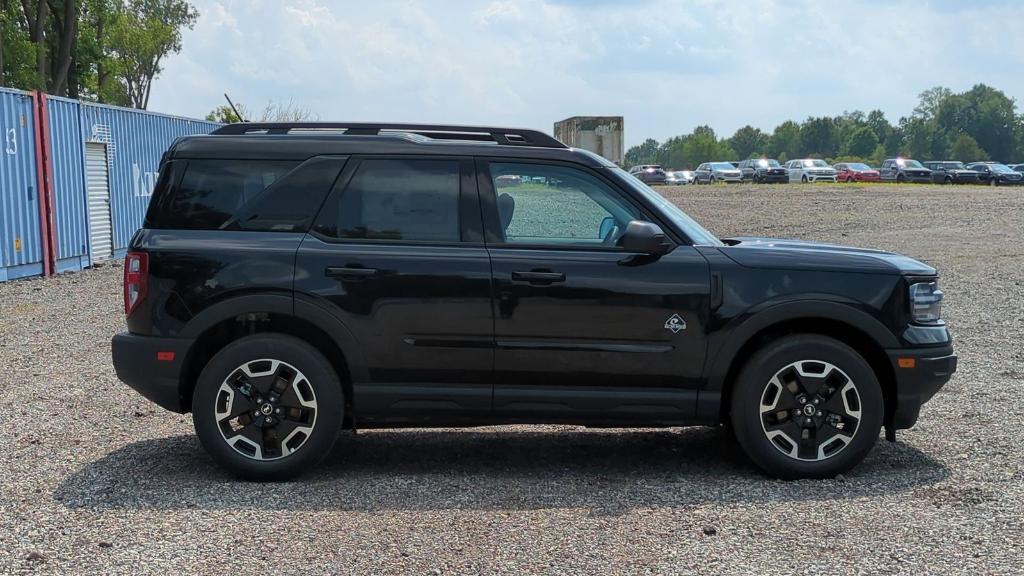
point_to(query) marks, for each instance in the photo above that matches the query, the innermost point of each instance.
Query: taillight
(136, 280)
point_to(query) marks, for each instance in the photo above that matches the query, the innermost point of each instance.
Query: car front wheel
(267, 407)
(807, 406)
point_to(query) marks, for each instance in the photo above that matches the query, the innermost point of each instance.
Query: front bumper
(915, 385)
(152, 366)
(820, 178)
(772, 178)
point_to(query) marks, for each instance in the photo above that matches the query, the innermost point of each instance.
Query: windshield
(909, 163)
(722, 166)
(859, 167)
(768, 163)
(815, 164)
(694, 231)
(1000, 168)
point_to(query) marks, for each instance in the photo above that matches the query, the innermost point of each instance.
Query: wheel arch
(226, 321)
(855, 328)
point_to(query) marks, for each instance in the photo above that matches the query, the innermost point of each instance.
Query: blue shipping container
(20, 246)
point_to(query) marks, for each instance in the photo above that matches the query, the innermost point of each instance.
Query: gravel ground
(97, 480)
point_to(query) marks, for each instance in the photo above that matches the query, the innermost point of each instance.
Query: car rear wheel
(806, 406)
(267, 407)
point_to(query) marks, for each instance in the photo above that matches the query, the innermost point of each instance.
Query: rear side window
(210, 192)
(396, 199)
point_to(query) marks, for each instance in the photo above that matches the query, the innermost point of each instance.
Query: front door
(585, 331)
(397, 255)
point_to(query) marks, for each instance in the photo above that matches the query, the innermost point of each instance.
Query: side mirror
(645, 238)
(606, 226)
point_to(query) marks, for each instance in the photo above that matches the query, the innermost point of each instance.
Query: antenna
(232, 104)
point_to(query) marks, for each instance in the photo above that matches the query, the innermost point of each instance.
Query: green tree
(703, 146)
(224, 114)
(645, 153)
(884, 131)
(785, 141)
(748, 142)
(142, 34)
(818, 136)
(966, 149)
(862, 142)
(105, 50)
(930, 101)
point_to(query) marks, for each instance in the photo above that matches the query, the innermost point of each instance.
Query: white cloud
(666, 65)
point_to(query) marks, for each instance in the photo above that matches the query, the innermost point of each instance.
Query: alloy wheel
(265, 409)
(810, 410)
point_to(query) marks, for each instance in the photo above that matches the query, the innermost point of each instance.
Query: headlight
(926, 302)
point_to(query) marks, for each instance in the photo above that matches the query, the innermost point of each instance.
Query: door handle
(538, 277)
(349, 273)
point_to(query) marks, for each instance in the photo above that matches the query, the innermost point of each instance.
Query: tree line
(107, 51)
(979, 124)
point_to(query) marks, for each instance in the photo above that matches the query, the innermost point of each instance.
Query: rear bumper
(138, 365)
(932, 368)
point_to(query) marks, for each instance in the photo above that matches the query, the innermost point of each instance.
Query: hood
(803, 255)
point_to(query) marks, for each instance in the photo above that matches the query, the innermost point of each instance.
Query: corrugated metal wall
(135, 141)
(66, 150)
(20, 246)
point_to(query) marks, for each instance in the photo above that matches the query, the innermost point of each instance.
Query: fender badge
(675, 324)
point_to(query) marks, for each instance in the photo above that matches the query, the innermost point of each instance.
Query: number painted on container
(12, 142)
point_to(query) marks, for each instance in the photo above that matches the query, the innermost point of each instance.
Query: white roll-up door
(98, 188)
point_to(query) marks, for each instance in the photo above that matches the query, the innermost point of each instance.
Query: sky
(665, 65)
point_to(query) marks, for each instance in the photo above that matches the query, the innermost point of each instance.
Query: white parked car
(679, 177)
(810, 170)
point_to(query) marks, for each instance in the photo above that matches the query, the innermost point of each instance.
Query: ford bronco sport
(292, 280)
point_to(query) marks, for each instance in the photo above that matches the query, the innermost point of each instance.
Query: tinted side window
(396, 200)
(211, 191)
(291, 203)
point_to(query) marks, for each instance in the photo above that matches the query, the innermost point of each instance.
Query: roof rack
(502, 136)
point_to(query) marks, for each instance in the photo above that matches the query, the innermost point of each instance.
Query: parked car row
(804, 170)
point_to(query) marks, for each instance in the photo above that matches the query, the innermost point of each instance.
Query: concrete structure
(601, 135)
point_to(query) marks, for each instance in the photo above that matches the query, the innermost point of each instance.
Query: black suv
(291, 280)
(996, 174)
(764, 170)
(950, 172)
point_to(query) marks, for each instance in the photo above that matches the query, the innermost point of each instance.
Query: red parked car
(856, 172)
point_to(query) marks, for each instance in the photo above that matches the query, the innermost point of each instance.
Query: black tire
(948, 181)
(751, 390)
(804, 180)
(900, 179)
(323, 393)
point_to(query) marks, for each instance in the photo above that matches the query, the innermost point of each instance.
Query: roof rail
(502, 136)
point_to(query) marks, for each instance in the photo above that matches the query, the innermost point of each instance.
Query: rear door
(397, 256)
(585, 331)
